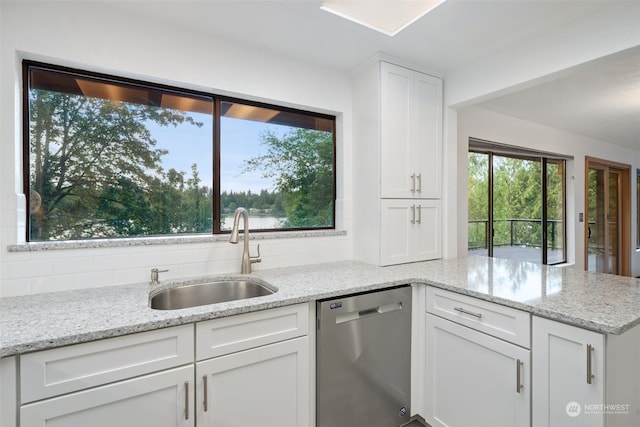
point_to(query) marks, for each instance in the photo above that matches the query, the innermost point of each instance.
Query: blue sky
(188, 144)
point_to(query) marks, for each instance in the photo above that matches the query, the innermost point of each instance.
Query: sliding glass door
(516, 206)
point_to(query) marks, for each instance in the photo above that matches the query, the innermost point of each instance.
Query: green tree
(95, 168)
(301, 164)
(478, 181)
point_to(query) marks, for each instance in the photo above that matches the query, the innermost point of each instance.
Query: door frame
(624, 251)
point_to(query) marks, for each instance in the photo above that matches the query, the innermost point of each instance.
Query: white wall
(610, 29)
(93, 36)
(604, 31)
(483, 124)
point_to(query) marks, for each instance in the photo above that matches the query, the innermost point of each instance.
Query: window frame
(216, 141)
(492, 149)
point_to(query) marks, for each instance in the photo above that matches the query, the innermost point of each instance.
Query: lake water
(255, 222)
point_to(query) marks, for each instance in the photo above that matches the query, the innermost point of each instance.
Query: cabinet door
(396, 231)
(410, 231)
(411, 133)
(427, 153)
(473, 379)
(164, 399)
(427, 240)
(396, 145)
(563, 357)
(265, 386)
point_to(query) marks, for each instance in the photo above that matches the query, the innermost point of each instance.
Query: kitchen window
(516, 203)
(110, 157)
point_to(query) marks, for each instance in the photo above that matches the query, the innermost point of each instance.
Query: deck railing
(514, 232)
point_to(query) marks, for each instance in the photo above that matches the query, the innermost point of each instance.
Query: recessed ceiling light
(387, 16)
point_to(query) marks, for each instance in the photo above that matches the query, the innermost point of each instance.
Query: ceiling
(587, 99)
(599, 99)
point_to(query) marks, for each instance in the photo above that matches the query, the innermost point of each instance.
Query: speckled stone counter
(603, 303)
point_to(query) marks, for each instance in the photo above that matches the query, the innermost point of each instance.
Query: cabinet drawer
(499, 321)
(227, 335)
(67, 369)
(155, 400)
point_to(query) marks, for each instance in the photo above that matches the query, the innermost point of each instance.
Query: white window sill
(165, 240)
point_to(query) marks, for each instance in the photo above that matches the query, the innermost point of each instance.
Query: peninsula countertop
(599, 302)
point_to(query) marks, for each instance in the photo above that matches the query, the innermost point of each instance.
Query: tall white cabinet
(397, 164)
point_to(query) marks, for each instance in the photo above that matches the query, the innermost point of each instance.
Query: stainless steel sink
(208, 293)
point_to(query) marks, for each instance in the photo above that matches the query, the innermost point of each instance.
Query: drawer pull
(205, 394)
(470, 313)
(186, 400)
(590, 375)
(519, 385)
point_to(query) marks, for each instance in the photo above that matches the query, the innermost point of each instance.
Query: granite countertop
(599, 302)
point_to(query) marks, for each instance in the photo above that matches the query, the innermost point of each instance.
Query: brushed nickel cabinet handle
(590, 375)
(186, 400)
(519, 385)
(205, 394)
(419, 183)
(413, 214)
(413, 183)
(470, 313)
(419, 220)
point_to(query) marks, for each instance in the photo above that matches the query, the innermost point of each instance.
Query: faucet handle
(257, 258)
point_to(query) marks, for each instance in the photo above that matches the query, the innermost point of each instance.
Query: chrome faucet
(247, 260)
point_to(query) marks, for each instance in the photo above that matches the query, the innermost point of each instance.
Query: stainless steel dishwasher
(363, 359)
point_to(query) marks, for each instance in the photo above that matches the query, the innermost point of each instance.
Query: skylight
(387, 16)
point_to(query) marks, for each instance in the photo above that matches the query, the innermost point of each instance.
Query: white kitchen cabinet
(266, 386)
(397, 156)
(568, 365)
(162, 399)
(253, 369)
(233, 334)
(256, 368)
(49, 373)
(584, 378)
(144, 379)
(474, 379)
(410, 231)
(410, 133)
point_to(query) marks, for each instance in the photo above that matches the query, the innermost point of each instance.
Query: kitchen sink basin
(208, 293)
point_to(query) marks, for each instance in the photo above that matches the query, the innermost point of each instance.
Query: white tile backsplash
(15, 287)
(40, 271)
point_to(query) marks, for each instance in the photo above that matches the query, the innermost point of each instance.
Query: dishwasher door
(363, 359)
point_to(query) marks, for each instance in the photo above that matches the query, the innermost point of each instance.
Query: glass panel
(555, 212)
(110, 159)
(517, 209)
(595, 217)
(478, 227)
(613, 223)
(279, 165)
